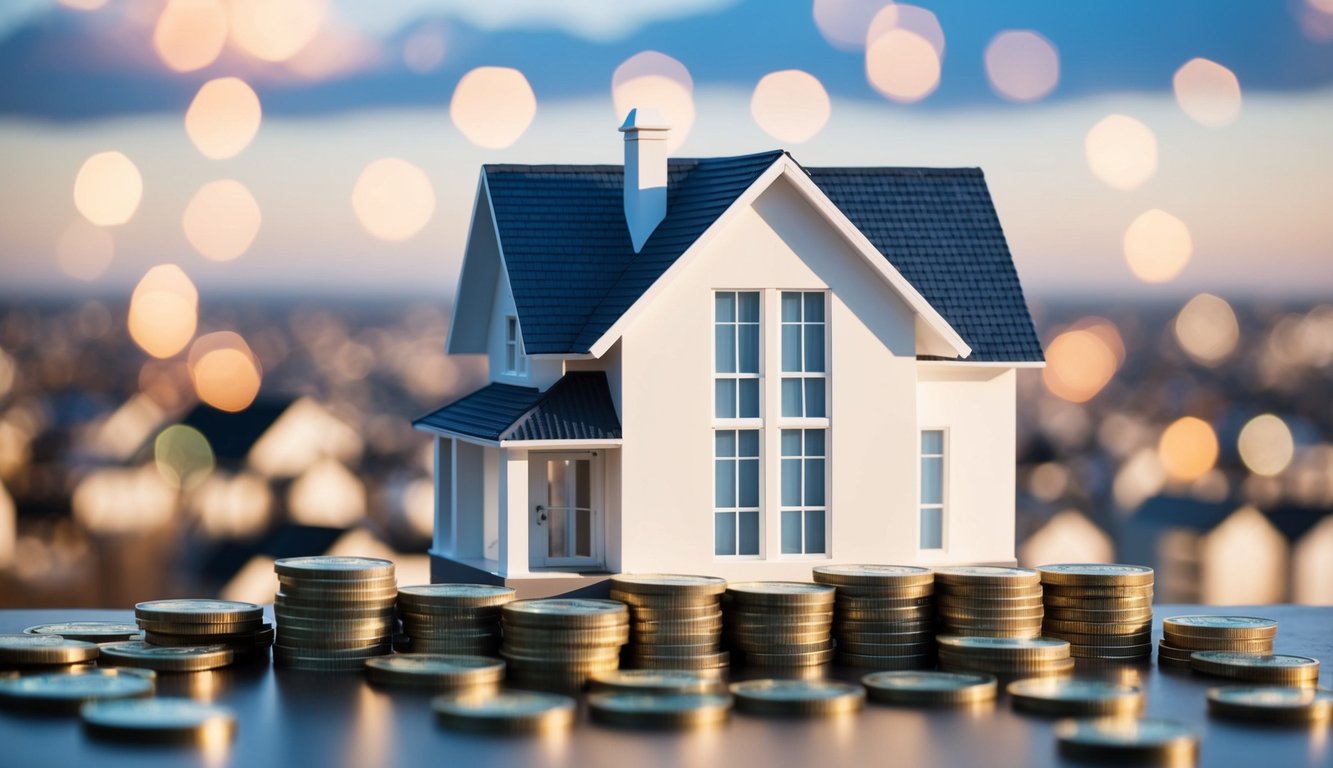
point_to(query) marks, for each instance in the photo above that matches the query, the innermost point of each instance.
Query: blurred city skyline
(1134, 151)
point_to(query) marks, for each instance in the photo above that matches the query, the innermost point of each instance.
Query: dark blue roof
(574, 272)
(577, 407)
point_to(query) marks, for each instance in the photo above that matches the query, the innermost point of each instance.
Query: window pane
(749, 391)
(814, 307)
(749, 444)
(791, 397)
(749, 348)
(814, 482)
(791, 532)
(583, 533)
(749, 307)
(791, 482)
(814, 398)
(511, 329)
(932, 480)
(791, 442)
(724, 442)
(583, 483)
(724, 398)
(724, 352)
(791, 347)
(724, 483)
(724, 533)
(932, 528)
(724, 307)
(814, 442)
(932, 441)
(791, 307)
(749, 539)
(749, 483)
(814, 348)
(814, 532)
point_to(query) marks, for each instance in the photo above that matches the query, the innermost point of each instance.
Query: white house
(736, 366)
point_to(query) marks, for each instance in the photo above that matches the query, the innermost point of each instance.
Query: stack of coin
(1103, 610)
(1089, 698)
(1005, 657)
(333, 613)
(798, 698)
(437, 670)
(659, 710)
(1128, 740)
(883, 615)
(988, 601)
(201, 622)
(556, 645)
(453, 618)
(1271, 669)
(675, 621)
(25, 651)
(1272, 704)
(1183, 635)
(781, 624)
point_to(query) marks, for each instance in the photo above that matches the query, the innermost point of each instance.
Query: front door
(566, 526)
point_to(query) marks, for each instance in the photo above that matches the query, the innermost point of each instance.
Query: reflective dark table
(289, 718)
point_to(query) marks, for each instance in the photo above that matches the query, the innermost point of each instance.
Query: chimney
(645, 172)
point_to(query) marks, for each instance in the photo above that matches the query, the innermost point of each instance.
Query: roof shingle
(577, 407)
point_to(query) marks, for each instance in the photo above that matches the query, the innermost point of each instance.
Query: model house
(737, 366)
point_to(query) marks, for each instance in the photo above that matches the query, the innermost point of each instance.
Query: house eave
(460, 436)
(981, 363)
(567, 444)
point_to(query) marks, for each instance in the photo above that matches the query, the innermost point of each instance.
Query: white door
(566, 518)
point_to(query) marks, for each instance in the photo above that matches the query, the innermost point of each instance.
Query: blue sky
(1255, 191)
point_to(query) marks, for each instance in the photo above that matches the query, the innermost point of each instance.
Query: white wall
(667, 369)
(542, 373)
(975, 407)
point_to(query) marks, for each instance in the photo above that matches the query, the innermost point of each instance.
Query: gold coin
(1231, 627)
(159, 720)
(781, 593)
(1271, 668)
(506, 712)
(640, 658)
(456, 595)
(797, 697)
(868, 661)
(1097, 603)
(88, 631)
(919, 591)
(928, 688)
(199, 611)
(1058, 590)
(1111, 652)
(135, 653)
(321, 664)
(1078, 638)
(565, 613)
(656, 681)
(974, 575)
(659, 710)
(882, 576)
(780, 658)
(1274, 704)
(1197, 643)
(66, 691)
(1096, 574)
(1095, 628)
(1127, 616)
(1128, 739)
(42, 650)
(668, 584)
(435, 670)
(332, 568)
(1088, 698)
(1005, 648)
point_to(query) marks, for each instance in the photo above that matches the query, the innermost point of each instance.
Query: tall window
(932, 489)
(803, 365)
(803, 507)
(736, 492)
(736, 355)
(515, 361)
(736, 403)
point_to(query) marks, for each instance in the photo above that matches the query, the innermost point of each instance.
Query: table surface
(292, 718)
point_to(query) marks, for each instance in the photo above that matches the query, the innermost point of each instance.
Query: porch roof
(577, 407)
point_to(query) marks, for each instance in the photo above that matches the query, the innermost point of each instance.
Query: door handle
(541, 514)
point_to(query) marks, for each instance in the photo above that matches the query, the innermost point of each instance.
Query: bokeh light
(493, 106)
(233, 507)
(225, 373)
(223, 118)
(1188, 449)
(183, 456)
(1079, 363)
(327, 494)
(393, 199)
(164, 311)
(1157, 246)
(903, 66)
(790, 105)
(1265, 445)
(1121, 152)
(843, 23)
(114, 502)
(1068, 537)
(83, 5)
(652, 79)
(912, 18)
(1206, 328)
(190, 34)
(1208, 92)
(424, 50)
(1022, 65)
(85, 251)
(275, 31)
(108, 189)
(221, 220)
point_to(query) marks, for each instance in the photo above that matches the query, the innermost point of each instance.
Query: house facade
(736, 366)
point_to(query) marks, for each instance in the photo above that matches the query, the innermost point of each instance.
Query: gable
(477, 280)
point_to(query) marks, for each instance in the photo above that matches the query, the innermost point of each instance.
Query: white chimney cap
(644, 119)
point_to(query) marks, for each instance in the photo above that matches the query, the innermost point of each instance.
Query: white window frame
(516, 361)
(802, 508)
(943, 504)
(802, 375)
(806, 422)
(737, 424)
(758, 510)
